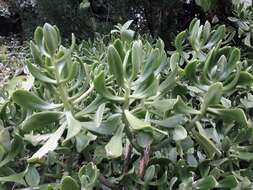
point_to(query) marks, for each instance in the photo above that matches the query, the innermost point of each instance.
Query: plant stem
(107, 183)
(128, 152)
(144, 162)
(85, 94)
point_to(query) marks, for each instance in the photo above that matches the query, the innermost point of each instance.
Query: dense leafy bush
(122, 113)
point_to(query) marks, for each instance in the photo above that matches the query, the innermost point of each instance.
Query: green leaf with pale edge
(99, 84)
(114, 148)
(137, 124)
(50, 145)
(40, 120)
(29, 101)
(69, 183)
(73, 126)
(205, 183)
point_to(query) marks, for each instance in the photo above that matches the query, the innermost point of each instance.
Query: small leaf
(216, 37)
(38, 36)
(68, 183)
(205, 183)
(190, 71)
(181, 107)
(179, 133)
(137, 124)
(146, 88)
(51, 38)
(73, 126)
(228, 182)
(229, 115)
(144, 139)
(16, 147)
(174, 61)
(151, 65)
(99, 84)
(208, 146)
(30, 101)
(115, 65)
(16, 178)
(245, 78)
(149, 174)
(179, 40)
(32, 177)
(88, 175)
(212, 96)
(247, 156)
(36, 53)
(119, 47)
(39, 75)
(99, 115)
(136, 58)
(171, 122)
(114, 148)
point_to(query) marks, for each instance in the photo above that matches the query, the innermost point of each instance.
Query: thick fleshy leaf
(127, 35)
(174, 61)
(114, 148)
(30, 101)
(118, 44)
(137, 124)
(88, 175)
(181, 107)
(232, 61)
(248, 102)
(136, 58)
(40, 120)
(179, 40)
(171, 122)
(146, 88)
(19, 82)
(212, 96)
(16, 147)
(99, 84)
(16, 178)
(245, 78)
(228, 182)
(150, 65)
(39, 74)
(190, 70)
(38, 36)
(68, 183)
(144, 139)
(115, 65)
(179, 133)
(163, 105)
(205, 183)
(51, 38)
(73, 126)
(32, 177)
(50, 145)
(99, 115)
(229, 115)
(216, 37)
(36, 53)
(149, 174)
(208, 146)
(247, 156)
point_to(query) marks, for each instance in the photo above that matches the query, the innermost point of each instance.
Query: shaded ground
(12, 56)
